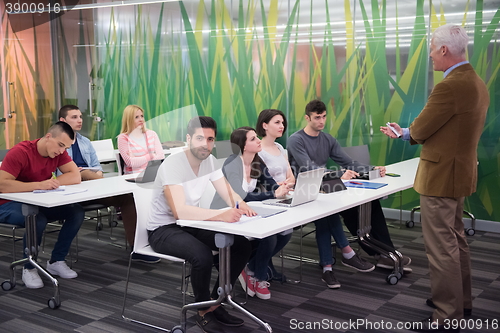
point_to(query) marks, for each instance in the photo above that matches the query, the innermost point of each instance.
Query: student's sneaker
(329, 278)
(60, 268)
(31, 278)
(145, 258)
(387, 263)
(359, 264)
(247, 281)
(261, 290)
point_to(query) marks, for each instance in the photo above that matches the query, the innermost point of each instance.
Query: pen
(237, 205)
(54, 175)
(357, 183)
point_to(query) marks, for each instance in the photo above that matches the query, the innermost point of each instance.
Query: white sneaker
(31, 278)
(60, 268)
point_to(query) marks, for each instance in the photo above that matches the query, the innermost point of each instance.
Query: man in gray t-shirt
(311, 148)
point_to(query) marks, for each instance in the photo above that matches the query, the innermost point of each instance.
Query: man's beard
(200, 153)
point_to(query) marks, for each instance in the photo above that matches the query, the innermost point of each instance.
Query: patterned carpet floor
(365, 302)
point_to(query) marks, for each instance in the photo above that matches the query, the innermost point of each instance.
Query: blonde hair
(128, 119)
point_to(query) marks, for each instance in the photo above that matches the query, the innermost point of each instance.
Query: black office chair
(358, 153)
(468, 231)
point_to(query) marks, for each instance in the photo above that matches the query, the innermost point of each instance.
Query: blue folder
(367, 185)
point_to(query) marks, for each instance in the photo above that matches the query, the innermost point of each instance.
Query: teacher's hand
(387, 131)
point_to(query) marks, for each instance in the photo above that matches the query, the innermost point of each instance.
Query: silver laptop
(306, 189)
(149, 174)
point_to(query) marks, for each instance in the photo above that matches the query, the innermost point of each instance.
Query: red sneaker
(261, 289)
(247, 283)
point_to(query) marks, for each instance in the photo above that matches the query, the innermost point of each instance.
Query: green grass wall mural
(231, 59)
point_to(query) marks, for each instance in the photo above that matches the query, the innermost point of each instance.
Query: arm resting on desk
(70, 174)
(9, 184)
(174, 194)
(230, 197)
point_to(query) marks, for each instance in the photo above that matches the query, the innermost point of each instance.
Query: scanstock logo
(26, 14)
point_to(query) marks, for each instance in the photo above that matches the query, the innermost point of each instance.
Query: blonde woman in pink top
(137, 145)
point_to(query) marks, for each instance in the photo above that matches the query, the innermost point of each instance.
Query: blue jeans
(72, 215)
(266, 250)
(327, 227)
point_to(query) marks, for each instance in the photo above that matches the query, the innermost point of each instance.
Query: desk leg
(31, 251)
(365, 237)
(223, 243)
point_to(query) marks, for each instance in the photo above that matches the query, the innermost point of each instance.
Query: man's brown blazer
(449, 128)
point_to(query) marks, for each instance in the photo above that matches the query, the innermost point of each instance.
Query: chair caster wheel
(6, 285)
(410, 224)
(470, 231)
(113, 224)
(177, 329)
(53, 304)
(334, 261)
(392, 279)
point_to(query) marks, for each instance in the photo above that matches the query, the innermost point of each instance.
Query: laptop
(149, 174)
(331, 183)
(306, 189)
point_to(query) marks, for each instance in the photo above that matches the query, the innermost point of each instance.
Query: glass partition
(367, 60)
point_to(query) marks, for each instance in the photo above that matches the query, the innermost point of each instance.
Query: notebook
(306, 189)
(149, 174)
(366, 185)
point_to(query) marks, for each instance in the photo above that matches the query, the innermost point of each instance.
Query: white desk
(325, 205)
(107, 156)
(96, 189)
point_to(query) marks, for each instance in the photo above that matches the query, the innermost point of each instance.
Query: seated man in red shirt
(30, 166)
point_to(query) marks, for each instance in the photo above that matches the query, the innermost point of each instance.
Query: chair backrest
(3, 152)
(143, 198)
(359, 153)
(120, 163)
(103, 145)
(222, 149)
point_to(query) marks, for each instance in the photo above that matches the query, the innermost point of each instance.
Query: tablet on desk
(262, 212)
(267, 211)
(149, 174)
(332, 185)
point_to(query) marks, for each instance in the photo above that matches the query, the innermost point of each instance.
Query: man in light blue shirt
(81, 151)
